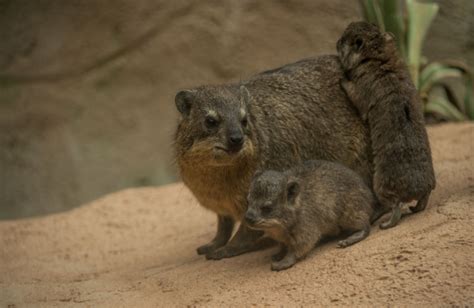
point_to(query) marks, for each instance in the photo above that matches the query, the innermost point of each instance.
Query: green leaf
(393, 20)
(373, 12)
(432, 75)
(434, 72)
(441, 106)
(420, 16)
(368, 10)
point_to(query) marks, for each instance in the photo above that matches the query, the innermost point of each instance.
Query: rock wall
(88, 103)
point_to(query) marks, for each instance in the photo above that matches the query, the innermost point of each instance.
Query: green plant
(409, 21)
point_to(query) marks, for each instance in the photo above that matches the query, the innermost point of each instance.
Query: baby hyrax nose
(250, 217)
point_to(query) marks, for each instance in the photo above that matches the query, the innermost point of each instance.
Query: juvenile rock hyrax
(300, 206)
(379, 85)
(274, 120)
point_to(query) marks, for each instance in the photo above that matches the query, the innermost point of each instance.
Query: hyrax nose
(236, 139)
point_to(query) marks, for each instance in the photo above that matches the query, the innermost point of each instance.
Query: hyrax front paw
(342, 244)
(287, 262)
(218, 254)
(206, 249)
(279, 266)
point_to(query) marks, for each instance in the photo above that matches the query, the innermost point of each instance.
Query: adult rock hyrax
(274, 120)
(300, 206)
(379, 85)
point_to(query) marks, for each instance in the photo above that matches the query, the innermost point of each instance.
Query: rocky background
(87, 87)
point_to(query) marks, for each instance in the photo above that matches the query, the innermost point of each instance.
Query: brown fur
(294, 113)
(300, 206)
(379, 85)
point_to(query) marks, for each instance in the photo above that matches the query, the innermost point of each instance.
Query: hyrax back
(379, 85)
(300, 206)
(274, 120)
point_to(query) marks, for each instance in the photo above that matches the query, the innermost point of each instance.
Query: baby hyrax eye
(211, 122)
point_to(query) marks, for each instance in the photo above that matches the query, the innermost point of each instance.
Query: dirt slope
(137, 248)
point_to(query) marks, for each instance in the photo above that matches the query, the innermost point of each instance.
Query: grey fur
(314, 200)
(294, 113)
(379, 85)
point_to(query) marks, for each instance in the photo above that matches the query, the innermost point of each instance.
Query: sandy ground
(137, 248)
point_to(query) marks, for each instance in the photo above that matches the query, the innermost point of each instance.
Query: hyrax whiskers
(313, 200)
(379, 85)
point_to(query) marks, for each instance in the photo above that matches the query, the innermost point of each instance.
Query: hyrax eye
(245, 121)
(211, 122)
(358, 43)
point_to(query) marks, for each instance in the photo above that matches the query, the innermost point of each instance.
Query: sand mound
(137, 248)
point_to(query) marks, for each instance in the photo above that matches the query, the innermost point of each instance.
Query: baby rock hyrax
(379, 85)
(300, 206)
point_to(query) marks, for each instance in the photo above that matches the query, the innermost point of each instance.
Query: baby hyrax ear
(184, 100)
(292, 190)
(244, 95)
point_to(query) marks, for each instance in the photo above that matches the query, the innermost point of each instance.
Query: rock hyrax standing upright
(274, 120)
(300, 206)
(379, 85)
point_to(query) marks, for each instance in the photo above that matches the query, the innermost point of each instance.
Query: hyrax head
(362, 41)
(216, 123)
(272, 200)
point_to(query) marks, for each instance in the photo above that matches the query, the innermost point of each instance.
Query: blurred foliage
(409, 21)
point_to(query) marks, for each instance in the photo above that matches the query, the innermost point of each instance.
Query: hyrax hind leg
(287, 261)
(225, 225)
(355, 219)
(297, 249)
(394, 217)
(355, 237)
(421, 204)
(244, 240)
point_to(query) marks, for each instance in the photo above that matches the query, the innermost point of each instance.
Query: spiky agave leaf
(439, 105)
(373, 12)
(434, 72)
(420, 16)
(388, 15)
(394, 23)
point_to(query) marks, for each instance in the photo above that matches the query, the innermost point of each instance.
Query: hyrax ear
(184, 100)
(244, 95)
(292, 190)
